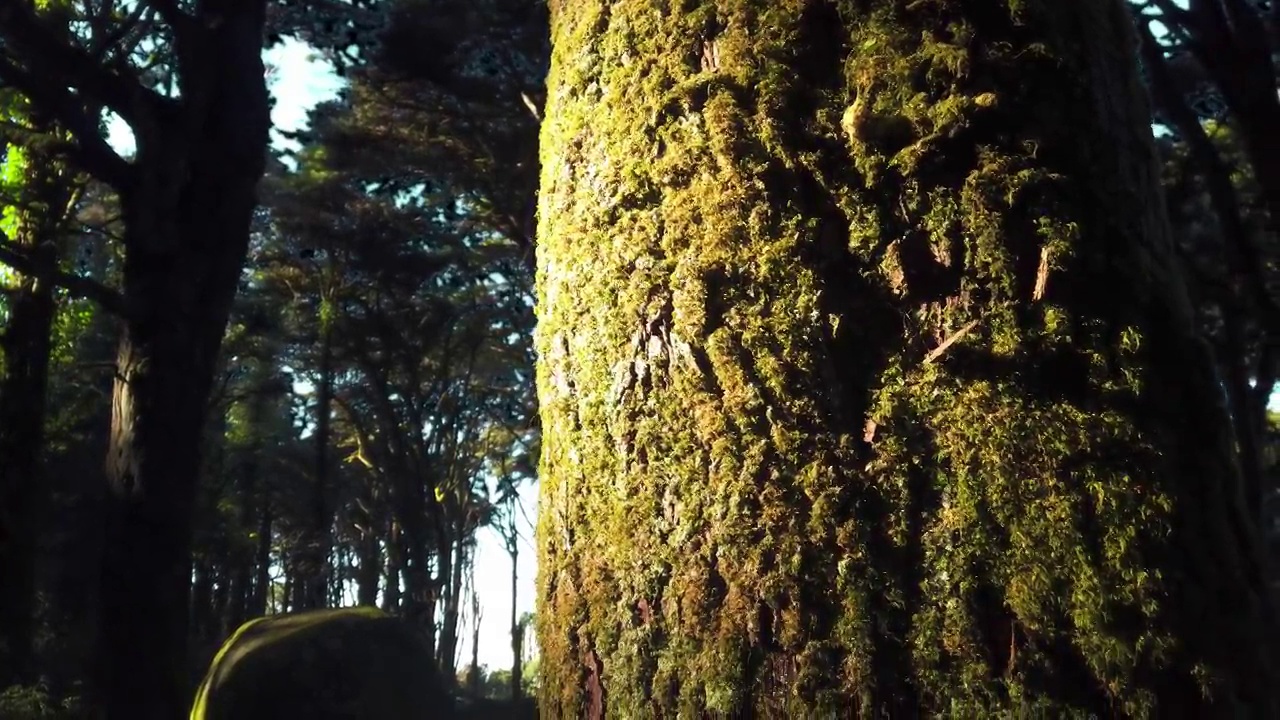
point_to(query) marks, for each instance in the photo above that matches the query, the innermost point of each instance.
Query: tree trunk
(452, 565)
(476, 617)
(25, 349)
(314, 570)
(517, 630)
(868, 381)
(262, 561)
(395, 569)
(1247, 292)
(370, 569)
(187, 230)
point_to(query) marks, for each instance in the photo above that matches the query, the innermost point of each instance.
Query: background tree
(1212, 75)
(186, 198)
(40, 198)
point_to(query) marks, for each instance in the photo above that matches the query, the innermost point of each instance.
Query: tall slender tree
(868, 378)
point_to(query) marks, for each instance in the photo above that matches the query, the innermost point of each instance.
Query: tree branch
(78, 286)
(171, 14)
(55, 61)
(90, 150)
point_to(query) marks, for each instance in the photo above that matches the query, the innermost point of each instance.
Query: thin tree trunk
(314, 567)
(451, 574)
(370, 569)
(869, 385)
(517, 630)
(262, 561)
(476, 617)
(394, 569)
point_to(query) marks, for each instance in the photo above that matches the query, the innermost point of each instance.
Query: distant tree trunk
(868, 381)
(314, 568)
(452, 569)
(187, 218)
(262, 561)
(25, 349)
(517, 629)
(1247, 292)
(394, 570)
(370, 568)
(201, 599)
(477, 616)
(1234, 46)
(242, 551)
(217, 627)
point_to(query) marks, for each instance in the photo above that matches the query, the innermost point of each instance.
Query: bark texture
(868, 381)
(187, 214)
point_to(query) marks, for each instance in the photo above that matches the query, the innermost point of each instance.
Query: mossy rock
(351, 663)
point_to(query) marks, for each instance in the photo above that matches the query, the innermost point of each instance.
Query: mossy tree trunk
(867, 379)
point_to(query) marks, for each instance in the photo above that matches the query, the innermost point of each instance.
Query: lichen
(859, 340)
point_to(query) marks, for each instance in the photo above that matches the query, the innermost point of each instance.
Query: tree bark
(315, 564)
(187, 221)
(395, 569)
(517, 630)
(262, 561)
(869, 384)
(1248, 292)
(25, 351)
(371, 564)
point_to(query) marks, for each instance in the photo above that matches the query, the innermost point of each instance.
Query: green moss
(851, 319)
(352, 663)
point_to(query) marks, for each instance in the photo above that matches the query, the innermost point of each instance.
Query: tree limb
(53, 61)
(90, 150)
(169, 11)
(78, 286)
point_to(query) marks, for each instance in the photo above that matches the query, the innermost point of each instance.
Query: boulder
(351, 663)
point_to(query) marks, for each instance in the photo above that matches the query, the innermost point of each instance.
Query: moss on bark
(340, 664)
(867, 378)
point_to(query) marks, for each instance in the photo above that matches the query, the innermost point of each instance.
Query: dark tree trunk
(201, 599)
(262, 562)
(187, 229)
(370, 569)
(1247, 293)
(395, 569)
(217, 627)
(1238, 52)
(476, 617)
(314, 563)
(517, 630)
(47, 192)
(452, 565)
